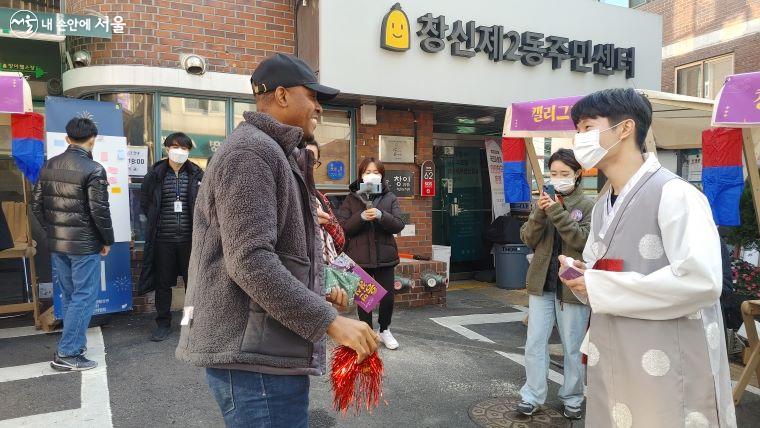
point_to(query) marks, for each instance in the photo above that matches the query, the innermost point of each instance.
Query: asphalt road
(436, 377)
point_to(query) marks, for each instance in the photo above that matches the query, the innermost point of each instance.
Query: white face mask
(563, 185)
(587, 149)
(178, 155)
(372, 178)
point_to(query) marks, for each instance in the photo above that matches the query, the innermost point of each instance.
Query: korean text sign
(543, 115)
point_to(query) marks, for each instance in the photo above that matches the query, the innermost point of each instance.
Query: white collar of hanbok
(650, 164)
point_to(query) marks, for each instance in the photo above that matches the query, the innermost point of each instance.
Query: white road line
(95, 399)
(29, 371)
(10, 333)
(457, 323)
(555, 377)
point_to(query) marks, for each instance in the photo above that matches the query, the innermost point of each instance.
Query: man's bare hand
(357, 335)
(338, 297)
(105, 250)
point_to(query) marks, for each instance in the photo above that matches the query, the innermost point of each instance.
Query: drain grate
(500, 412)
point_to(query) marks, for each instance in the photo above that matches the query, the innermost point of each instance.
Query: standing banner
(722, 176)
(516, 187)
(496, 174)
(110, 150)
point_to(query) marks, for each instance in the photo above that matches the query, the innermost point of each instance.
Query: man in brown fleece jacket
(255, 314)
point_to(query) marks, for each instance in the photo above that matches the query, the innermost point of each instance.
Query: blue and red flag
(516, 188)
(722, 177)
(28, 147)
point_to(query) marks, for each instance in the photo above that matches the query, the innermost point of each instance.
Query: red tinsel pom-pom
(355, 384)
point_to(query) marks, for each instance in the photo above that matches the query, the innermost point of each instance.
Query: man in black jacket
(167, 198)
(71, 203)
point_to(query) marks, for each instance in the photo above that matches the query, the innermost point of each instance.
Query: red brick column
(401, 122)
(393, 122)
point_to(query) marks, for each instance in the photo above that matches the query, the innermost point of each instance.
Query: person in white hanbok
(655, 346)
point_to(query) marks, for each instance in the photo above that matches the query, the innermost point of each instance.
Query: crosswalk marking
(96, 408)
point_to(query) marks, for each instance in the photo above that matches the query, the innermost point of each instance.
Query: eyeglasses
(316, 164)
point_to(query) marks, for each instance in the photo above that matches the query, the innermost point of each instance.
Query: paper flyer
(370, 292)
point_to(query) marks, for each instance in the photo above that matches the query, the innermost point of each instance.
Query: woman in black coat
(369, 222)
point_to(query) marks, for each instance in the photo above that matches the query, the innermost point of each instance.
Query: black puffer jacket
(70, 201)
(371, 243)
(151, 197)
(174, 226)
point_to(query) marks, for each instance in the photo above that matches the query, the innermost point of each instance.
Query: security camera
(81, 58)
(193, 64)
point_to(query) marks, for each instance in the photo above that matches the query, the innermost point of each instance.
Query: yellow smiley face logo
(394, 34)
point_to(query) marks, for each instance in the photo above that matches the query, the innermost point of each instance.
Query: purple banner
(11, 94)
(739, 102)
(543, 115)
(369, 292)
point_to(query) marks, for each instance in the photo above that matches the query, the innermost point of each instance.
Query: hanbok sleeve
(690, 282)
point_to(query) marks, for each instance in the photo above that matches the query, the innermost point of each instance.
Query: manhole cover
(500, 413)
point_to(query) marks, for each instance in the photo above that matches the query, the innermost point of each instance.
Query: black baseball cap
(288, 71)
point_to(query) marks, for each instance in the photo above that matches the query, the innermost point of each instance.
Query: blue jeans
(78, 278)
(572, 321)
(250, 399)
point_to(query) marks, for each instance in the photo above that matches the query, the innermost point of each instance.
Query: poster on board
(115, 294)
(495, 172)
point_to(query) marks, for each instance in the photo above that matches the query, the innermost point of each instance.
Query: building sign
(485, 52)
(467, 39)
(401, 183)
(427, 179)
(395, 30)
(738, 103)
(11, 94)
(138, 160)
(25, 24)
(543, 115)
(336, 170)
(396, 149)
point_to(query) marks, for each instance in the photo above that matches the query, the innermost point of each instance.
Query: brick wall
(394, 122)
(746, 58)
(682, 19)
(685, 19)
(420, 295)
(232, 35)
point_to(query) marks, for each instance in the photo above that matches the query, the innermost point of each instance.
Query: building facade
(705, 41)
(423, 83)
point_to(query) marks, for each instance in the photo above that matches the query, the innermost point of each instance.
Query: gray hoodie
(255, 278)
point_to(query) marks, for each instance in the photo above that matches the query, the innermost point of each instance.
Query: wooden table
(750, 309)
